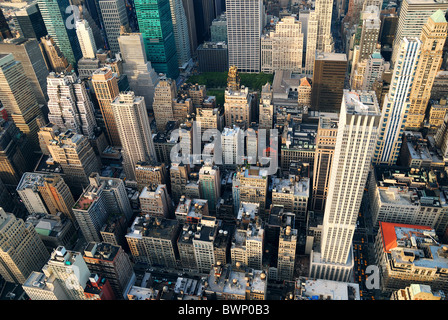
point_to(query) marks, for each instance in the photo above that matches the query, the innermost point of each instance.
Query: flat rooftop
(361, 102)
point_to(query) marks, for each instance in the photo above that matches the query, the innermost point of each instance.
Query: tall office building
(150, 174)
(244, 28)
(114, 16)
(156, 201)
(356, 138)
(179, 177)
(293, 194)
(323, 160)
(253, 187)
(191, 25)
(54, 58)
(328, 81)
(15, 155)
(135, 132)
(69, 104)
(396, 103)
(210, 185)
(76, 157)
(18, 98)
(282, 48)
(180, 29)
(156, 26)
(324, 11)
(433, 39)
(413, 16)
(105, 86)
(29, 53)
(40, 287)
(370, 32)
(165, 93)
(60, 24)
(70, 272)
(29, 22)
(203, 243)
(21, 249)
(311, 43)
(86, 39)
(5, 30)
(139, 71)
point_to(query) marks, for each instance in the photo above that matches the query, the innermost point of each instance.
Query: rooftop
(361, 102)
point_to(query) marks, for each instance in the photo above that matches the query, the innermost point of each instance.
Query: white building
(180, 28)
(356, 137)
(244, 26)
(134, 129)
(86, 39)
(396, 103)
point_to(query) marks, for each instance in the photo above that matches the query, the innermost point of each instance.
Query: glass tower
(156, 27)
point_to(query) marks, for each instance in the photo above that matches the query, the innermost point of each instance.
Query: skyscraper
(433, 39)
(413, 15)
(180, 28)
(69, 104)
(210, 185)
(135, 132)
(86, 39)
(356, 137)
(370, 31)
(29, 53)
(396, 103)
(165, 93)
(311, 42)
(141, 75)
(60, 24)
(18, 98)
(328, 81)
(114, 16)
(244, 27)
(21, 249)
(5, 31)
(282, 48)
(29, 22)
(156, 26)
(105, 86)
(54, 58)
(324, 11)
(325, 145)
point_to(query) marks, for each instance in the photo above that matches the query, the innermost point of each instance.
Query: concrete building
(191, 210)
(29, 53)
(432, 39)
(179, 176)
(266, 108)
(69, 104)
(40, 287)
(410, 254)
(114, 16)
(180, 29)
(282, 48)
(287, 253)
(133, 127)
(141, 75)
(29, 22)
(357, 134)
(156, 202)
(213, 57)
(153, 241)
(105, 87)
(253, 187)
(165, 93)
(86, 39)
(293, 194)
(150, 174)
(18, 98)
(54, 58)
(210, 185)
(112, 263)
(21, 249)
(417, 292)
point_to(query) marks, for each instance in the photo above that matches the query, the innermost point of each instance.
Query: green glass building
(60, 21)
(156, 27)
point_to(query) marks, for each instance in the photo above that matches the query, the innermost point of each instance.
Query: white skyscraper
(69, 104)
(324, 10)
(134, 129)
(244, 27)
(114, 17)
(356, 138)
(311, 43)
(180, 28)
(413, 16)
(141, 75)
(86, 39)
(396, 103)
